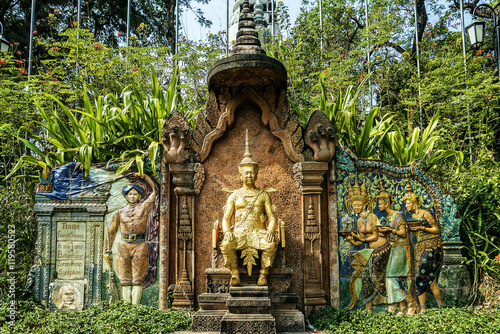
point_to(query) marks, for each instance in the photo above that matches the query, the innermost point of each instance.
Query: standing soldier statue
(132, 249)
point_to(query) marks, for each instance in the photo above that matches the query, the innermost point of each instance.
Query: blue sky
(216, 12)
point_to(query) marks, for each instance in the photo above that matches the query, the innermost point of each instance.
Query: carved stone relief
(320, 136)
(175, 137)
(187, 179)
(309, 177)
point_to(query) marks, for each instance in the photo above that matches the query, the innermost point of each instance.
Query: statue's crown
(410, 195)
(383, 193)
(247, 157)
(357, 193)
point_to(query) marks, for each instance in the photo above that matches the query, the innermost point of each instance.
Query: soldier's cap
(129, 187)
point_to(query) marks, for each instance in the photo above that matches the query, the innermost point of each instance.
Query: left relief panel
(97, 238)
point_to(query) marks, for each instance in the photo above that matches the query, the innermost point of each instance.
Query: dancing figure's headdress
(357, 193)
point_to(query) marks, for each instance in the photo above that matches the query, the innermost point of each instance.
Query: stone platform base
(248, 324)
(247, 310)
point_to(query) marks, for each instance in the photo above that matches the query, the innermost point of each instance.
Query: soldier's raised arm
(150, 201)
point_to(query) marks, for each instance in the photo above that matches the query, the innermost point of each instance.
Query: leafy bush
(442, 320)
(114, 318)
(16, 210)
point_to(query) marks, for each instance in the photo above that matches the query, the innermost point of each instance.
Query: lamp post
(475, 31)
(4, 44)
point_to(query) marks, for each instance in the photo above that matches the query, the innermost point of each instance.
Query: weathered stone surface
(289, 321)
(175, 138)
(320, 136)
(247, 305)
(248, 324)
(208, 320)
(213, 301)
(247, 70)
(249, 291)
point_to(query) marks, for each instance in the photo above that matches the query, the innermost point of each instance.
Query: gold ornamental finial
(357, 193)
(383, 193)
(410, 195)
(247, 157)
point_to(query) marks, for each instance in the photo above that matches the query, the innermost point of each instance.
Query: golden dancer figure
(429, 249)
(372, 260)
(250, 207)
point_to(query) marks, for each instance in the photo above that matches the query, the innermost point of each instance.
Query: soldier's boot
(127, 294)
(136, 295)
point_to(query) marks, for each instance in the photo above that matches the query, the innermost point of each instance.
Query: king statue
(250, 233)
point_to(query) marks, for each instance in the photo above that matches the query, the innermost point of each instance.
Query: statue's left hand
(269, 236)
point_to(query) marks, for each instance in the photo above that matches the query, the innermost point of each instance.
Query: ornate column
(333, 238)
(164, 233)
(309, 177)
(187, 179)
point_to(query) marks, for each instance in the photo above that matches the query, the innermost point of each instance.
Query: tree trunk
(170, 24)
(421, 23)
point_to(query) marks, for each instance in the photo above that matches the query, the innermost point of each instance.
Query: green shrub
(442, 320)
(103, 318)
(17, 220)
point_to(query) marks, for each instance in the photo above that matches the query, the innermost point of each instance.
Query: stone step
(249, 305)
(249, 291)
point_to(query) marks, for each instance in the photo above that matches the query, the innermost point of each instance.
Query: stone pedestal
(249, 309)
(248, 303)
(284, 311)
(212, 308)
(454, 279)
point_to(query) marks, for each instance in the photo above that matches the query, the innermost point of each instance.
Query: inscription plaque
(70, 262)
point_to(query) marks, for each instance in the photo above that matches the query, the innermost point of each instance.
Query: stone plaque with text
(70, 250)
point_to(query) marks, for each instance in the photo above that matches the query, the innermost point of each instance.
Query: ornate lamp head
(247, 157)
(357, 193)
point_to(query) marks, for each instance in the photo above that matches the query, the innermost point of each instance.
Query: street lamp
(475, 31)
(4, 44)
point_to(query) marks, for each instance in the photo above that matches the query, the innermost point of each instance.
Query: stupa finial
(247, 38)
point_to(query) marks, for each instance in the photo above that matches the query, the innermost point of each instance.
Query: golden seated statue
(250, 206)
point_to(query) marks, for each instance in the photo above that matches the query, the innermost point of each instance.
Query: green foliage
(478, 198)
(76, 74)
(416, 148)
(107, 129)
(363, 137)
(17, 220)
(114, 318)
(442, 320)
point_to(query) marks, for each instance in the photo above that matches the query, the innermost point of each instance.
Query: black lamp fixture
(475, 31)
(4, 44)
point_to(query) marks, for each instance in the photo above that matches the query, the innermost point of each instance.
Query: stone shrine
(254, 219)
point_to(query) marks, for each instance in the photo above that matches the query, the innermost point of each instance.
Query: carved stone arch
(226, 119)
(248, 95)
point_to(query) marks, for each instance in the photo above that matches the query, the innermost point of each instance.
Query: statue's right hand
(228, 236)
(107, 254)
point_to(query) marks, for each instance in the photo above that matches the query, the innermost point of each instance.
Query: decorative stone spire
(247, 38)
(258, 10)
